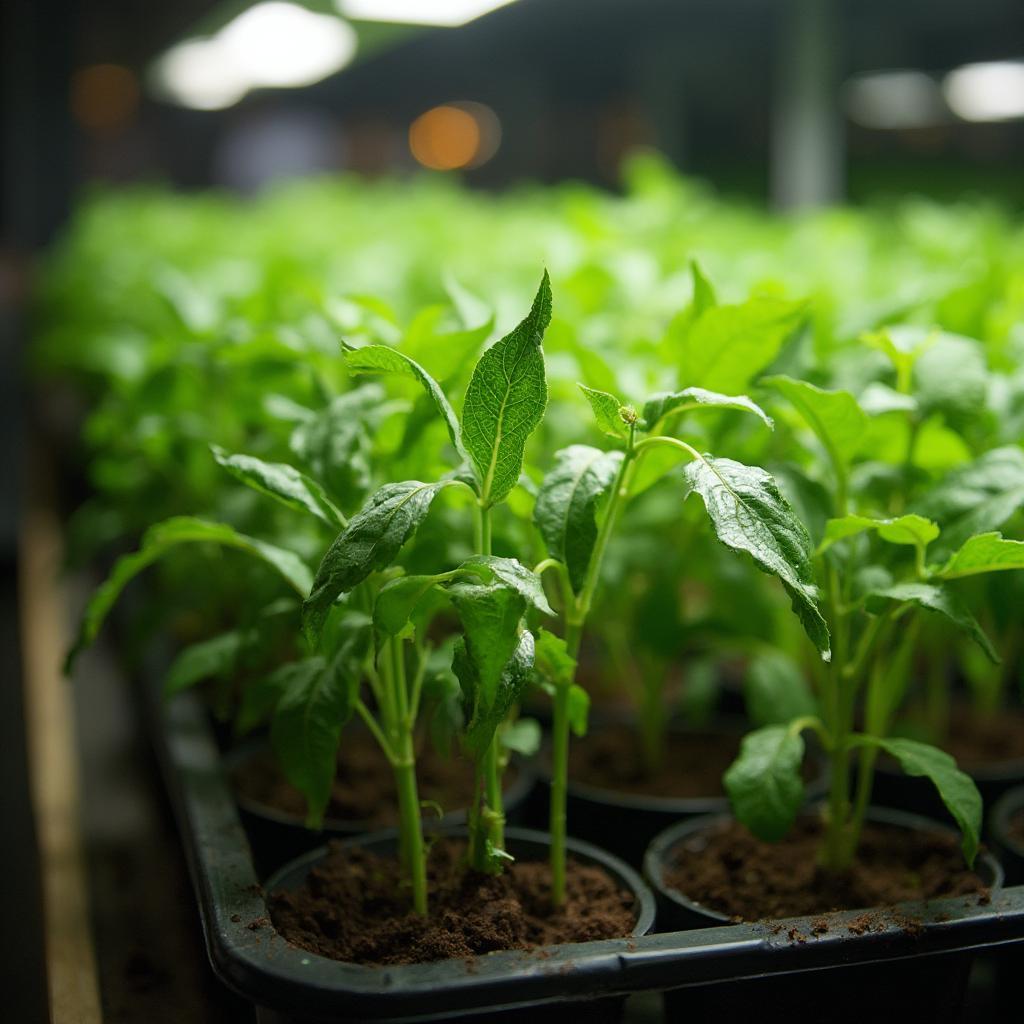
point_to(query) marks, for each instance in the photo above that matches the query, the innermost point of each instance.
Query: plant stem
(411, 824)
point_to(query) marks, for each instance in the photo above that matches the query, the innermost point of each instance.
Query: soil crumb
(354, 907)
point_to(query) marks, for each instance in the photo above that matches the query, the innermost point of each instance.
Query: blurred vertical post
(807, 129)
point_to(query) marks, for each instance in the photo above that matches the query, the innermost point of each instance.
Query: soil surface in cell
(364, 785)
(977, 740)
(610, 758)
(733, 872)
(355, 907)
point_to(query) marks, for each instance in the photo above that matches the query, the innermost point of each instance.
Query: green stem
(411, 824)
(559, 787)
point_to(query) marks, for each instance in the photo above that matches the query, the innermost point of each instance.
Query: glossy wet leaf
(371, 541)
(749, 514)
(565, 512)
(505, 401)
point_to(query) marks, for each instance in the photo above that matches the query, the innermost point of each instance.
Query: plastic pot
(914, 986)
(625, 823)
(277, 837)
(1008, 848)
(524, 844)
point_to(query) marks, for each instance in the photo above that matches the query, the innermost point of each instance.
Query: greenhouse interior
(513, 509)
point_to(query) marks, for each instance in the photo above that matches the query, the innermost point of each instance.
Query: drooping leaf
(606, 412)
(383, 359)
(565, 512)
(764, 783)
(371, 541)
(665, 403)
(505, 401)
(835, 417)
(157, 542)
(484, 711)
(976, 498)
(207, 659)
(910, 529)
(726, 347)
(956, 788)
(316, 701)
(933, 598)
(283, 482)
(776, 690)
(986, 552)
(749, 514)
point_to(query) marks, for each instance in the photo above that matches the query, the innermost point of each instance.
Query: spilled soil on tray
(355, 907)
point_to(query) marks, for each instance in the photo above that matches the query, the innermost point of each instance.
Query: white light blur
(194, 74)
(900, 98)
(991, 91)
(273, 44)
(282, 44)
(447, 13)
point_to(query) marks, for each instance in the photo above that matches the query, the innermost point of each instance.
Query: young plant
(743, 503)
(879, 580)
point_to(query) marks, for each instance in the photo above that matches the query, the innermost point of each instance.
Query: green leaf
(512, 574)
(703, 291)
(951, 376)
(160, 539)
(933, 598)
(579, 710)
(490, 615)
(607, 413)
(484, 711)
(522, 737)
(987, 552)
(776, 690)
(565, 512)
(208, 659)
(910, 529)
(665, 403)
(554, 663)
(764, 782)
(956, 788)
(505, 401)
(372, 540)
(318, 697)
(834, 416)
(976, 498)
(728, 346)
(877, 399)
(283, 482)
(749, 514)
(383, 359)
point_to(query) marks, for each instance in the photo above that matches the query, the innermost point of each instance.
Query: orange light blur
(104, 98)
(445, 138)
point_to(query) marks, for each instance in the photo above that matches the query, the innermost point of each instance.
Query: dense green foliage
(842, 393)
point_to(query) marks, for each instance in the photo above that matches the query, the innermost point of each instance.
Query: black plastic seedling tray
(288, 984)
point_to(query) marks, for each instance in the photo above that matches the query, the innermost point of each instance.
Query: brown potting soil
(364, 786)
(731, 871)
(354, 907)
(694, 763)
(977, 740)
